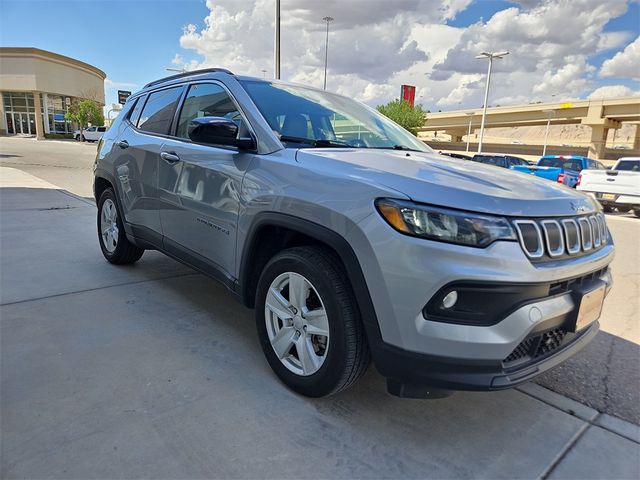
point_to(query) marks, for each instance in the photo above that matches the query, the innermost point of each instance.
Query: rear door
(200, 184)
(137, 165)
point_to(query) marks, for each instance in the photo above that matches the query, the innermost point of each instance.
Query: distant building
(37, 88)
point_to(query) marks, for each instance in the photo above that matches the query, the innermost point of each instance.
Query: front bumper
(403, 274)
(416, 375)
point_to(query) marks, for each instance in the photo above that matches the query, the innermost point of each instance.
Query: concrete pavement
(153, 370)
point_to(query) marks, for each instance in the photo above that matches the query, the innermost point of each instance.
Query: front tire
(115, 246)
(309, 323)
(636, 212)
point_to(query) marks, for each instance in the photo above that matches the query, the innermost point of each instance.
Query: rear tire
(333, 361)
(607, 208)
(115, 246)
(636, 212)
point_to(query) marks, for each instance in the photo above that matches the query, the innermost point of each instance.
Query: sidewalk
(154, 371)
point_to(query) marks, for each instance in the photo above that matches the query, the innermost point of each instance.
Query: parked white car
(616, 188)
(90, 134)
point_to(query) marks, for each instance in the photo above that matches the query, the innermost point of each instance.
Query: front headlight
(444, 225)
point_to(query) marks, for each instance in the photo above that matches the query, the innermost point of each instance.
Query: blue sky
(133, 42)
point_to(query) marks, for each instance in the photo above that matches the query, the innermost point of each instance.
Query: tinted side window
(158, 111)
(629, 165)
(102, 129)
(206, 100)
(134, 115)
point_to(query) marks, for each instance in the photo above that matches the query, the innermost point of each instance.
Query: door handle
(123, 144)
(169, 157)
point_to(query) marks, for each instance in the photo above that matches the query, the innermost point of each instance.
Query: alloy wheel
(297, 323)
(109, 225)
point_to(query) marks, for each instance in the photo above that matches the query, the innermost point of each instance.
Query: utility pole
(326, 50)
(277, 49)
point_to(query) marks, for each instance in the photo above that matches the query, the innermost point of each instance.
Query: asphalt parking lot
(153, 370)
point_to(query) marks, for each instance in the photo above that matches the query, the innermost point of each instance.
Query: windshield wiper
(322, 142)
(399, 147)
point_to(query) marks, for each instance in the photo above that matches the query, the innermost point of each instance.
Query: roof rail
(186, 74)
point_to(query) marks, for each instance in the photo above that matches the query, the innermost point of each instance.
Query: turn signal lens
(393, 216)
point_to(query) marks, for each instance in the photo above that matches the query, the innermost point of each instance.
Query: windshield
(306, 115)
(563, 163)
(631, 165)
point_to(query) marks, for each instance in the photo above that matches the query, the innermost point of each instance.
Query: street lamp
(326, 49)
(550, 113)
(489, 56)
(470, 115)
(115, 107)
(179, 70)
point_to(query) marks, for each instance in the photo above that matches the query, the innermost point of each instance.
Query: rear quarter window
(134, 113)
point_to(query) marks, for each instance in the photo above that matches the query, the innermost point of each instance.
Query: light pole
(326, 49)
(550, 113)
(489, 56)
(470, 115)
(114, 108)
(277, 47)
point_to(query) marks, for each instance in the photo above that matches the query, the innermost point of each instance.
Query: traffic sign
(122, 96)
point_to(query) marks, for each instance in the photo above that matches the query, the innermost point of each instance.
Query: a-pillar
(37, 104)
(456, 135)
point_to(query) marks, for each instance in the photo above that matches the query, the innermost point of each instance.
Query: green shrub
(404, 114)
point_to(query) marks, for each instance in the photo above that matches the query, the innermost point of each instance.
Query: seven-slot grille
(554, 238)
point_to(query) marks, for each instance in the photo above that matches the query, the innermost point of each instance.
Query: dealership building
(37, 88)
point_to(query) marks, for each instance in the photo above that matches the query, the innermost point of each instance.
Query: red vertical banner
(408, 94)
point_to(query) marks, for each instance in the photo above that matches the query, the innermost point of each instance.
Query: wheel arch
(100, 184)
(271, 232)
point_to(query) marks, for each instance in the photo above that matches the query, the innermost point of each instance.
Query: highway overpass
(600, 115)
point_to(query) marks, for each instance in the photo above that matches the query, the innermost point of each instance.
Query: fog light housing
(450, 299)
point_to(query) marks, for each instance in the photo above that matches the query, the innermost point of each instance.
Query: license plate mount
(589, 305)
(608, 196)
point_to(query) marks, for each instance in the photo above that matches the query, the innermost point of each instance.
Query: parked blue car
(563, 169)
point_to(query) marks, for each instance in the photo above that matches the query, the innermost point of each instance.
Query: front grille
(550, 341)
(547, 239)
(535, 348)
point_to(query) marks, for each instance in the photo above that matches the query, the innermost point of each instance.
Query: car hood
(450, 182)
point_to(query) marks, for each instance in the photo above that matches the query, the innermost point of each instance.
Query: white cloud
(377, 45)
(625, 63)
(108, 83)
(613, 91)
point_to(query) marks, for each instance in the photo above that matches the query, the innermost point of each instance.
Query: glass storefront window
(20, 112)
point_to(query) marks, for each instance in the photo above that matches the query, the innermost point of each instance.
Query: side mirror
(217, 131)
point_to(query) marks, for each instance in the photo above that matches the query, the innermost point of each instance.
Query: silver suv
(351, 238)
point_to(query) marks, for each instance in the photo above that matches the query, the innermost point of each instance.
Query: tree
(401, 112)
(85, 112)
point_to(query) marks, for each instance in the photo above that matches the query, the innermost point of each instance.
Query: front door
(199, 185)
